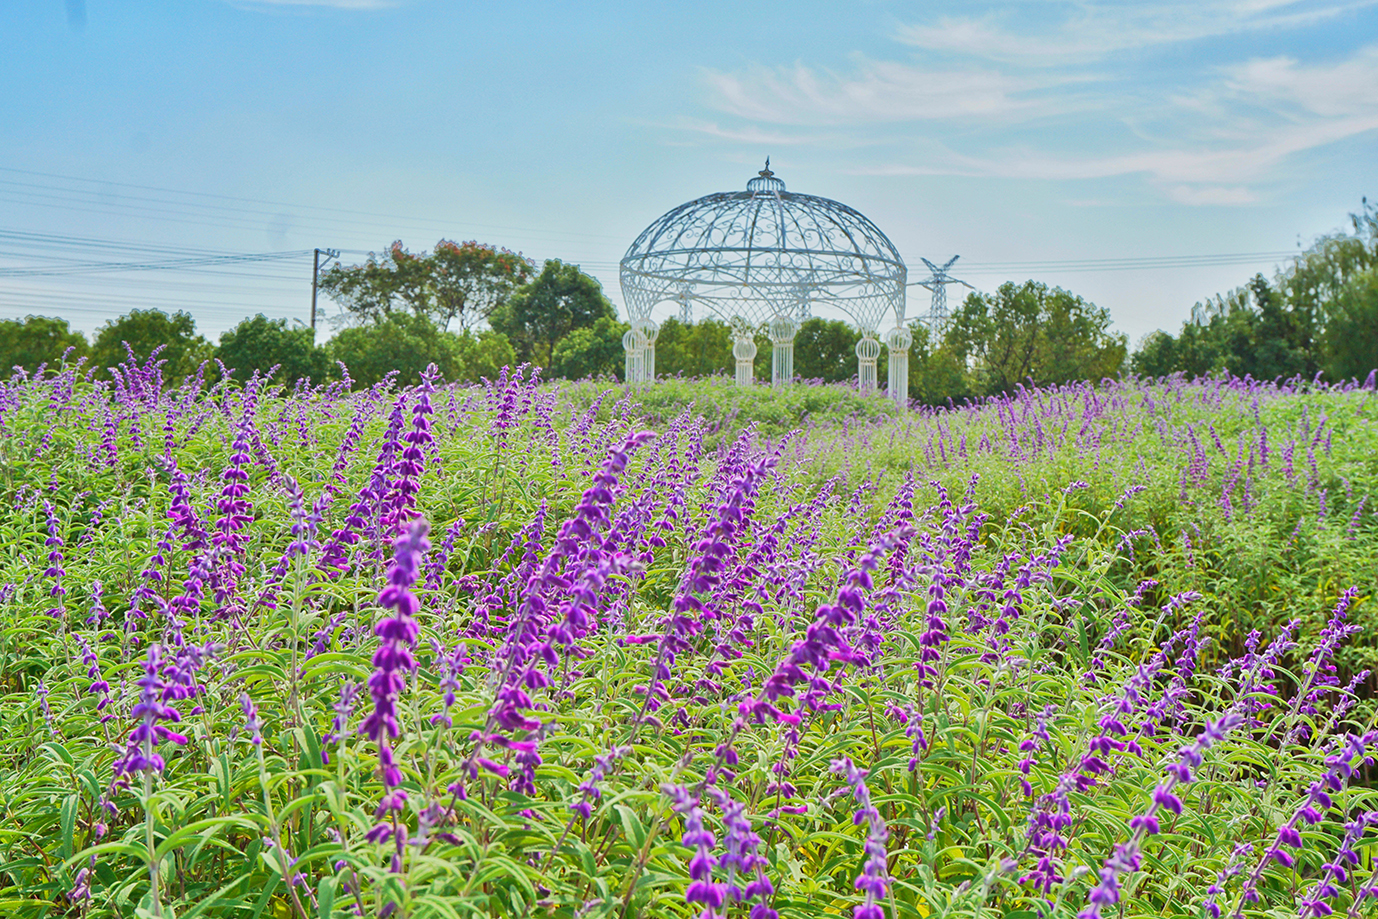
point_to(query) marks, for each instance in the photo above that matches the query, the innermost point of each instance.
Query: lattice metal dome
(762, 259)
(765, 252)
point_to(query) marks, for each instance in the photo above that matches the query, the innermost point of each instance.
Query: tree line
(1317, 315)
(472, 308)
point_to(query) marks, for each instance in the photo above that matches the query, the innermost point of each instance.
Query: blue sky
(1023, 135)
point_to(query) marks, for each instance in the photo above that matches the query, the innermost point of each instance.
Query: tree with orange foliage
(456, 282)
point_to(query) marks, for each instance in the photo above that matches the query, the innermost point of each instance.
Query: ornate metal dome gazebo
(761, 259)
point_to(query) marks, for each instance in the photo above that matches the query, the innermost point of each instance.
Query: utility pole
(315, 278)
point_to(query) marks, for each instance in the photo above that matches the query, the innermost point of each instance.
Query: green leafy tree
(374, 290)
(936, 375)
(482, 355)
(825, 349)
(460, 283)
(1312, 316)
(1030, 331)
(400, 342)
(1349, 344)
(38, 340)
(145, 330)
(1156, 355)
(260, 343)
(556, 302)
(593, 351)
(693, 349)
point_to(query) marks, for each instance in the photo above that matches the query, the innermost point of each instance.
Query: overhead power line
(178, 264)
(1145, 263)
(226, 209)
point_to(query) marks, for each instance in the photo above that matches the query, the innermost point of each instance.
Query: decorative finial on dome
(765, 183)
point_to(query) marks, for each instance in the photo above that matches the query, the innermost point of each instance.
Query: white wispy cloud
(886, 91)
(990, 96)
(1097, 30)
(332, 4)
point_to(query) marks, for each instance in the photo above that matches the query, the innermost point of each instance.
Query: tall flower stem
(153, 872)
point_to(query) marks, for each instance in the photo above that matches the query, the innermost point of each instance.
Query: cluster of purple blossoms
(98, 684)
(406, 472)
(589, 789)
(1338, 870)
(236, 513)
(1030, 747)
(1127, 856)
(55, 570)
(1232, 869)
(344, 708)
(703, 573)
(823, 644)
(740, 856)
(392, 662)
(1319, 674)
(151, 709)
(874, 880)
(335, 555)
(1340, 768)
(452, 665)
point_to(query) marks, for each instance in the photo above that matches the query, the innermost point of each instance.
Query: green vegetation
(804, 656)
(1319, 315)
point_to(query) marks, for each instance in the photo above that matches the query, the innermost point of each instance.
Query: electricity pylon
(938, 316)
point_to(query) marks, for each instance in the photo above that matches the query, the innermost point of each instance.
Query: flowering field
(525, 650)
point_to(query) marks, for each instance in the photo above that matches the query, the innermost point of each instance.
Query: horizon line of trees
(472, 309)
(1317, 315)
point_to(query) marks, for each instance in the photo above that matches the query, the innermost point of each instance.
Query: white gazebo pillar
(744, 350)
(782, 332)
(897, 342)
(867, 353)
(634, 343)
(648, 330)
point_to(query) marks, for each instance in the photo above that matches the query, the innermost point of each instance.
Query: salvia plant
(528, 649)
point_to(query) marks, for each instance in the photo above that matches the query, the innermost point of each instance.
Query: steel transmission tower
(938, 316)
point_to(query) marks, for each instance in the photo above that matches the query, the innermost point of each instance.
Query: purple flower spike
(874, 881)
(393, 660)
(139, 754)
(702, 889)
(1127, 856)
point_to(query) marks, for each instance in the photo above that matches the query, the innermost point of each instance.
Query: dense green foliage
(400, 344)
(1028, 333)
(555, 303)
(141, 332)
(1320, 314)
(260, 344)
(1084, 542)
(591, 351)
(38, 340)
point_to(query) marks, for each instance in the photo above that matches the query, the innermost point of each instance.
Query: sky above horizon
(1108, 148)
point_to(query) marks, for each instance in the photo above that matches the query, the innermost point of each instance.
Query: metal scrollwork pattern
(763, 253)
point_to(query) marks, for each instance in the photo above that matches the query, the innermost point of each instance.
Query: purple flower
(602, 765)
(1126, 857)
(251, 722)
(151, 709)
(55, 570)
(344, 707)
(874, 880)
(98, 684)
(397, 637)
(702, 889)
